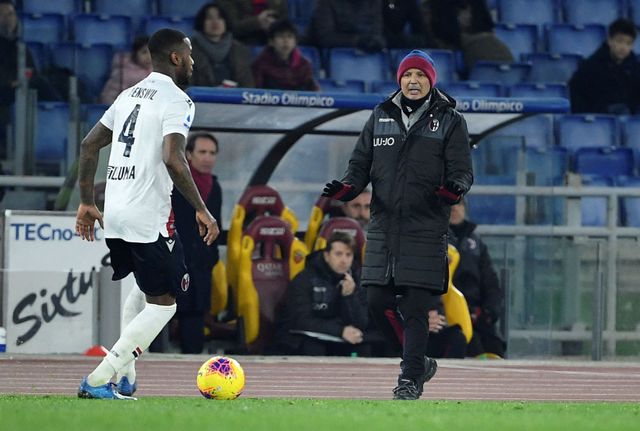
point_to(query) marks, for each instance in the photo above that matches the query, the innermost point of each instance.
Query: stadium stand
(552, 67)
(604, 161)
(155, 23)
(45, 28)
(539, 12)
(64, 7)
(593, 209)
(179, 8)
(539, 89)
(580, 131)
(344, 61)
(110, 29)
(507, 74)
(338, 86)
(522, 39)
(492, 209)
(473, 89)
(582, 12)
(52, 122)
(630, 206)
(575, 39)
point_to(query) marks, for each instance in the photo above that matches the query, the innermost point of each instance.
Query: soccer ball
(220, 378)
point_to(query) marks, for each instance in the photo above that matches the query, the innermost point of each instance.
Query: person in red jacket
(281, 65)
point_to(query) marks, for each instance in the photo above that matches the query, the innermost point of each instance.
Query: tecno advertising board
(50, 278)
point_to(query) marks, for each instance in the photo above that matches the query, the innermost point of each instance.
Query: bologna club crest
(434, 124)
(184, 283)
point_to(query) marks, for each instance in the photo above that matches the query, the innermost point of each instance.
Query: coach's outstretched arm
(173, 155)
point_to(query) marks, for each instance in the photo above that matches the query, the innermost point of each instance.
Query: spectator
(218, 58)
(281, 65)
(466, 25)
(348, 23)
(325, 305)
(127, 69)
(201, 152)
(398, 14)
(251, 19)
(608, 82)
(477, 280)
(359, 208)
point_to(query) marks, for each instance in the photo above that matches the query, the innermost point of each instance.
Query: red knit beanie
(419, 60)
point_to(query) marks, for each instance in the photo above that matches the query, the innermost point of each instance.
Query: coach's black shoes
(407, 389)
(430, 368)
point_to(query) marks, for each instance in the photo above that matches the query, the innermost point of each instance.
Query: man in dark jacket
(608, 82)
(201, 151)
(325, 309)
(476, 278)
(414, 150)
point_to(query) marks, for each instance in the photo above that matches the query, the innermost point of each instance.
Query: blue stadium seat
(473, 89)
(592, 11)
(505, 73)
(538, 12)
(384, 87)
(93, 66)
(155, 23)
(546, 166)
(605, 161)
(48, 28)
(572, 39)
(553, 67)
(138, 10)
(90, 29)
(444, 60)
(52, 124)
(594, 208)
(581, 131)
(343, 61)
(630, 206)
(634, 12)
(180, 8)
(631, 132)
(301, 10)
(337, 86)
(93, 113)
(313, 55)
(521, 39)
(537, 131)
(492, 209)
(40, 54)
(539, 89)
(64, 7)
(65, 55)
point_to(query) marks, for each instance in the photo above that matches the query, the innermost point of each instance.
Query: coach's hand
(207, 226)
(338, 190)
(86, 221)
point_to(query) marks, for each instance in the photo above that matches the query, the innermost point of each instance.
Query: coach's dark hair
(623, 26)
(343, 237)
(164, 41)
(198, 23)
(191, 141)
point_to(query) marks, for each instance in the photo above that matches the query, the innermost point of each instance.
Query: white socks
(133, 305)
(135, 338)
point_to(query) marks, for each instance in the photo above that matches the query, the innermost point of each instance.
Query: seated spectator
(127, 69)
(359, 208)
(476, 278)
(325, 308)
(397, 15)
(281, 65)
(218, 58)
(347, 23)
(466, 25)
(608, 82)
(251, 19)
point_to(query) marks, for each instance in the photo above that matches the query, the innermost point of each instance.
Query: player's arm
(173, 155)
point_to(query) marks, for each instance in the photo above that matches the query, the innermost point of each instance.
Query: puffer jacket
(407, 237)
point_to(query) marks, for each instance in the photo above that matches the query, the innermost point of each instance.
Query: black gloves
(338, 190)
(450, 193)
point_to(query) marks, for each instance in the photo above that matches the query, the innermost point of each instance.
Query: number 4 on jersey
(131, 124)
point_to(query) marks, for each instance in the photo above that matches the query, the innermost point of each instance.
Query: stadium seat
(89, 29)
(594, 208)
(155, 23)
(270, 257)
(552, 67)
(313, 55)
(92, 114)
(572, 39)
(605, 161)
(444, 60)
(336, 86)
(40, 54)
(537, 12)
(473, 89)
(93, 66)
(138, 10)
(323, 208)
(522, 39)
(592, 11)
(343, 61)
(65, 55)
(580, 131)
(342, 224)
(492, 209)
(384, 87)
(631, 132)
(64, 7)
(180, 8)
(254, 202)
(539, 89)
(47, 28)
(546, 166)
(456, 309)
(536, 131)
(52, 126)
(634, 13)
(630, 206)
(301, 10)
(504, 73)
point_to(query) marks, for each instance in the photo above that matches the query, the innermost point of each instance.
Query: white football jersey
(138, 193)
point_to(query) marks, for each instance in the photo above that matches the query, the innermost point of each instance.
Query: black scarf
(409, 106)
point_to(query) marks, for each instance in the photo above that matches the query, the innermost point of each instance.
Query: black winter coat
(476, 277)
(407, 237)
(314, 302)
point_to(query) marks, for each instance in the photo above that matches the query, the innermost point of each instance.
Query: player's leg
(133, 305)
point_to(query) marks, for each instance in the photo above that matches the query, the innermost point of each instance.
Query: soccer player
(147, 127)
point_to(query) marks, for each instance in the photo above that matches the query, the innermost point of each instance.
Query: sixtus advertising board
(49, 283)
